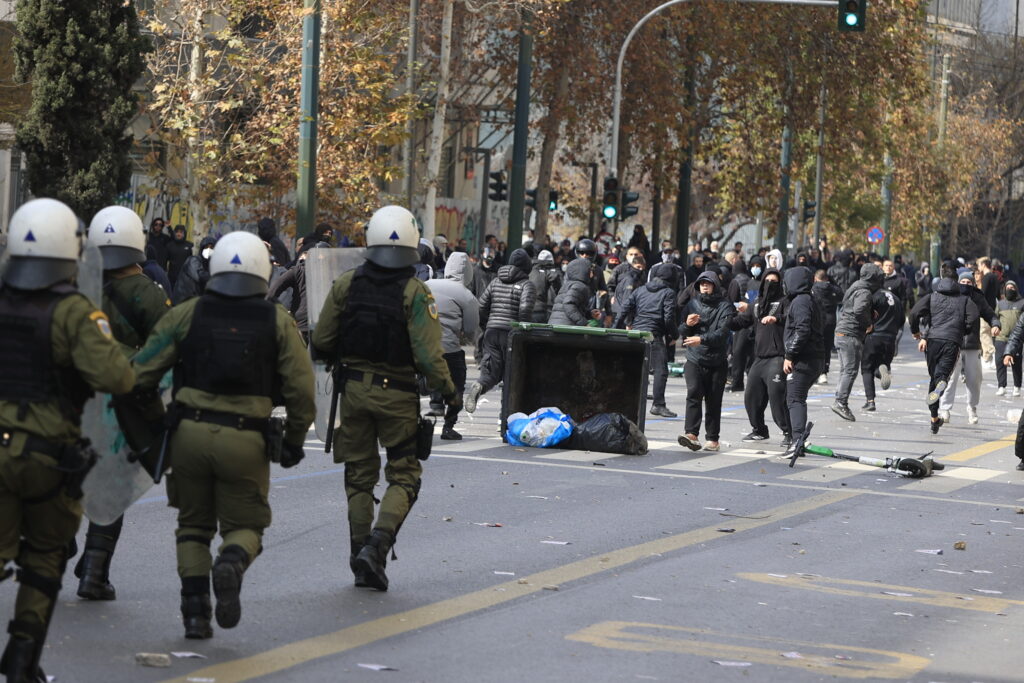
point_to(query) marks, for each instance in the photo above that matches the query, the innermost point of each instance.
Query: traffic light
(809, 210)
(625, 210)
(499, 187)
(531, 198)
(852, 15)
(610, 202)
(552, 200)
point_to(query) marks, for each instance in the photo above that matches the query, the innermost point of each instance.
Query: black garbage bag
(608, 433)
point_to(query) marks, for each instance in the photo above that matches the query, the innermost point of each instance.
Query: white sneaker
(1001, 391)
(1016, 391)
(972, 415)
(823, 378)
(944, 414)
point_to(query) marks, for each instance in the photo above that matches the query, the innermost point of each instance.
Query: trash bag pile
(602, 433)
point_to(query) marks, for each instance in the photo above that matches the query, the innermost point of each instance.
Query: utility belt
(378, 380)
(73, 459)
(272, 428)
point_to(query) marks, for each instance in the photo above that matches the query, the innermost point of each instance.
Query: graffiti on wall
(460, 219)
(151, 199)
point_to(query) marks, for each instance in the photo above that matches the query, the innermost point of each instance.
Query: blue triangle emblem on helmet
(30, 237)
(109, 228)
(394, 236)
(236, 260)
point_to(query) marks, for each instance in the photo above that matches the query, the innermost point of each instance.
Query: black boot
(448, 433)
(227, 584)
(195, 607)
(373, 557)
(93, 571)
(20, 661)
(357, 571)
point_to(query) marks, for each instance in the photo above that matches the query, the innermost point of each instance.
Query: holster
(75, 461)
(424, 437)
(274, 438)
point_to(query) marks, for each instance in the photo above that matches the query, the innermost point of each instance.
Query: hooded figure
(924, 280)
(704, 328)
(195, 273)
(547, 280)
(425, 268)
(854, 321)
(774, 260)
(266, 228)
(178, 251)
(842, 273)
(507, 299)
(805, 348)
(459, 313)
(572, 305)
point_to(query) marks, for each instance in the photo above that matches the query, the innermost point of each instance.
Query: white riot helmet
(43, 243)
(117, 231)
(392, 238)
(239, 266)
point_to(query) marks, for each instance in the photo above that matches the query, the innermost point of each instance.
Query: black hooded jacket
(855, 318)
(829, 296)
(572, 305)
(888, 313)
(547, 280)
(716, 314)
(737, 289)
(768, 339)
(650, 308)
(804, 320)
(510, 297)
(194, 275)
(946, 308)
(841, 272)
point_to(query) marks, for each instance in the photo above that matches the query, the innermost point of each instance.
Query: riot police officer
(235, 355)
(55, 349)
(380, 324)
(134, 304)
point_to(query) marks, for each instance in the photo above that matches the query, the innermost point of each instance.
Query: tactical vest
(373, 325)
(230, 348)
(27, 371)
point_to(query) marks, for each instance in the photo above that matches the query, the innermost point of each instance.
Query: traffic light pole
(517, 182)
(482, 227)
(305, 200)
(613, 156)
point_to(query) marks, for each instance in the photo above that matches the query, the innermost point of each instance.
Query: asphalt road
(554, 565)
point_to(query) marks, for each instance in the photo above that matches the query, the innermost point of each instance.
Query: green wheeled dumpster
(582, 371)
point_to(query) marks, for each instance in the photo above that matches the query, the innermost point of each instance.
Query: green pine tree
(82, 59)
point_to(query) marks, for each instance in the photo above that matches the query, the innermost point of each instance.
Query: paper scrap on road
(947, 571)
(447, 519)
(980, 571)
(188, 655)
(960, 545)
(724, 662)
(647, 597)
(726, 531)
(487, 524)
(779, 576)
(200, 679)
(550, 588)
(556, 542)
(792, 655)
(902, 614)
(377, 667)
(718, 509)
(898, 595)
(155, 659)
(930, 551)
(986, 591)
(504, 573)
(539, 497)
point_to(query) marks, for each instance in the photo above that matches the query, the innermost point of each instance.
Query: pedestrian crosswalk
(810, 469)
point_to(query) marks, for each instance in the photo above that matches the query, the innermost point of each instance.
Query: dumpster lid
(585, 330)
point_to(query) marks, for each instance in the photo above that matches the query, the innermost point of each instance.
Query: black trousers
(798, 385)
(830, 343)
(1018, 446)
(1001, 369)
(742, 356)
(659, 365)
(492, 361)
(456, 361)
(879, 350)
(704, 385)
(766, 385)
(941, 357)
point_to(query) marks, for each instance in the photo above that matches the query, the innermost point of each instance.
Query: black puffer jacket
(547, 280)
(509, 298)
(293, 279)
(737, 288)
(713, 329)
(194, 275)
(768, 342)
(855, 318)
(572, 305)
(946, 307)
(650, 308)
(842, 274)
(802, 336)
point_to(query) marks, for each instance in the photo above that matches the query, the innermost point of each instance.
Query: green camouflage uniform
(38, 519)
(370, 413)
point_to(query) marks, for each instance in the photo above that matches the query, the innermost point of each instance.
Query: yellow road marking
(979, 450)
(299, 652)
(817, 657)
(871, 589)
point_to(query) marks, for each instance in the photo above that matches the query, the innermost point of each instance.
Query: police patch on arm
(431, 306)
(100, 318)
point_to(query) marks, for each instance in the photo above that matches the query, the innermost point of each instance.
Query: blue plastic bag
(543, 428)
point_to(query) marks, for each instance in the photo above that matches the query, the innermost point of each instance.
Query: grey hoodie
(855, 318)
(457, 308)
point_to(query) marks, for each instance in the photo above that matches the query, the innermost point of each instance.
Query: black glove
(291, 455)
(453, 400)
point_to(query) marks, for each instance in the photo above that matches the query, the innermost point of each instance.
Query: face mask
(1012, 294)
(773, 289)
(756, 271)
(207, 252)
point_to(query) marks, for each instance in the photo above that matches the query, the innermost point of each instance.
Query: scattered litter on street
(523, 582)
(200, 679)
(188, 655)
(550, 588)
(960, 545)
(929, 551)
(986, 591)
(504, 573)
(980, 571)
(377, 667)
(487, 524)
(792, 655)
(947, 571)
(447, 519)
(155, 659)
(843, 658)
(727, 531)
(718, 509)
(556, 542)
(723, 662)
(647, 597)
(902, 614)
(539, 497)
(729, 514)
(897, 594)
(779, 576)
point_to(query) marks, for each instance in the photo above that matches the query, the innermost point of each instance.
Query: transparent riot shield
(323, 266)
(90, 274)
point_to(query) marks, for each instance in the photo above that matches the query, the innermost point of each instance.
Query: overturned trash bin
(584, 371)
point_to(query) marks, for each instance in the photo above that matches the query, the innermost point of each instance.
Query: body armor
(374, 325)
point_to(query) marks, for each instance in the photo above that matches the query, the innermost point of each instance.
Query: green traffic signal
(610, 211)
(552, 200)
(610, 200)
(852, 15)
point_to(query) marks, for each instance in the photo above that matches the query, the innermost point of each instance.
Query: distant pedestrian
(1008, 308)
